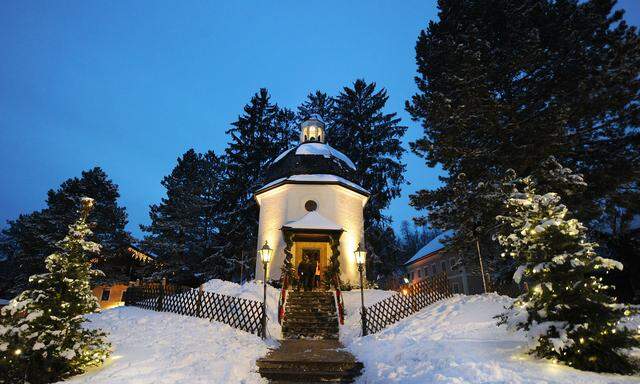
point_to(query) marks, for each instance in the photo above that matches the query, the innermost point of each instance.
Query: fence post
(412, 293)
(161, 296)
(199, 304)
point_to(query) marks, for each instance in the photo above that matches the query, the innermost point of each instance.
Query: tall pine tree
(31, 237)
(372, 139)
(185, 227)
(260, 134)
(506, 84)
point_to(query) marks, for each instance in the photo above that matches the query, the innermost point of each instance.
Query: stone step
(302, 329)
(311, 333)
(310, 318)
(299, 376)
(309, 361)
(310, 312)
(317, 298)
(306, 313)
(326, 366)
(322, 307)
(309, 307)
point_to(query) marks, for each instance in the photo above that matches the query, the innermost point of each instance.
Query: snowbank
(454, 341)
(252, 290)
(164, 348)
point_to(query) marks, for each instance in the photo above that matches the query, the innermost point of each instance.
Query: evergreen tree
(567, 309)
(32, 236)
(260, 134)
(372, 139)
(413, 238)
(185, 226)
(41, 334)
(322, 105)
(506, 84)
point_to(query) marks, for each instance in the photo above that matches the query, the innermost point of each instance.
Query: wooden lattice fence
(410, 300)
(237, 312)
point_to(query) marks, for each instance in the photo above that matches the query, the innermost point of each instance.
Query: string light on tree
(552, 250)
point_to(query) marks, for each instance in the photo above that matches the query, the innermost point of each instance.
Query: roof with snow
(433, 246)
(311, 158)
(320, 149)
(313, 179)
(312, 162)
(313, 220)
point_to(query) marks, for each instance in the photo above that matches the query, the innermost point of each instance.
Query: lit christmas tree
(566, 310)
(41, 335)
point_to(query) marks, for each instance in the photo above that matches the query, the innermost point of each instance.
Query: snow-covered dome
(320, 149)
(313, 156)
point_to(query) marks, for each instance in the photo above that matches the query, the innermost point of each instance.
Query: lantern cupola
(312, 130)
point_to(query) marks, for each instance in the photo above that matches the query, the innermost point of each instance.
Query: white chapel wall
(286, 203)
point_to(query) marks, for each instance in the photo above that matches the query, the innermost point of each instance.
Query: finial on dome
(312, 130)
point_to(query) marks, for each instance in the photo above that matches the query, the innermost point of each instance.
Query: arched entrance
(321, 245)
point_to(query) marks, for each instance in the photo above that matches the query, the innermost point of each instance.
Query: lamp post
(361, 254)
(265, 255)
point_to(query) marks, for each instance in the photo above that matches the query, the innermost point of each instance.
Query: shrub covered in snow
(41, 333)
(567, 310)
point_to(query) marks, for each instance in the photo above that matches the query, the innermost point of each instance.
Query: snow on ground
(252, 290)
(454, 341)
(164, 348)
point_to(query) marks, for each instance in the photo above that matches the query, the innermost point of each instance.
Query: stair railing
(282, 301)
(339, 302)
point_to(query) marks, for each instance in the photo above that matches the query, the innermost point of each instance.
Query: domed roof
(313, 156)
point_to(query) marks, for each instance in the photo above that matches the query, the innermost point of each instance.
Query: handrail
(340, 303)
(282, 300)
(339, 300)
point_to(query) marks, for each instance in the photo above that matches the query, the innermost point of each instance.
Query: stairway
(309, 361)
(311, 352)
(310, 315)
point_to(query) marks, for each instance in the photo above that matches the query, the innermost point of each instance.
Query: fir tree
(372, 139)
(31, 237)
(322, 105)
(413, 238)
(41, 335)
(260, 134)
(567, 309)
(505, 84)
(185, 226)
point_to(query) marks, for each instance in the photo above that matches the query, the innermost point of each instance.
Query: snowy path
(454, 341)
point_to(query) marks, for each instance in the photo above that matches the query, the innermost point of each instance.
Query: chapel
(311, 206)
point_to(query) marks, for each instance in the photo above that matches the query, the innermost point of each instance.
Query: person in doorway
(302, 273)
(316, 280)
(311, 272)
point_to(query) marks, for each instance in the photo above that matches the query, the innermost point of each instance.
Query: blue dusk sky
(131, 85)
